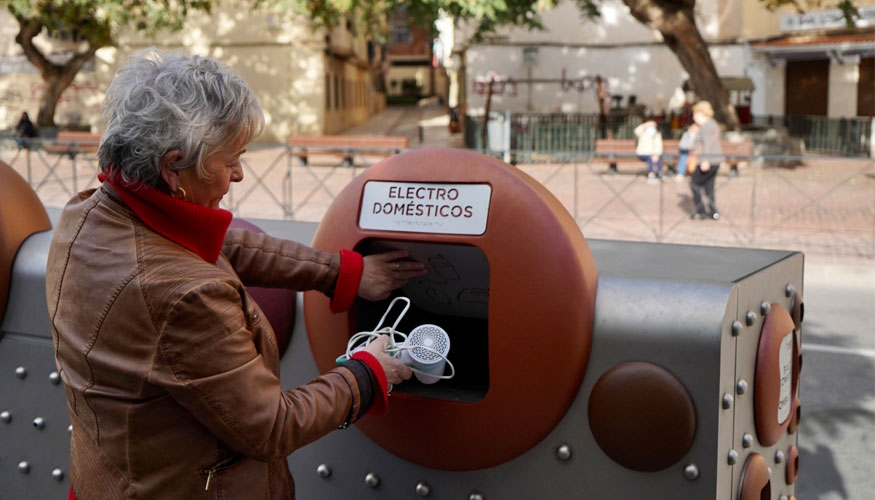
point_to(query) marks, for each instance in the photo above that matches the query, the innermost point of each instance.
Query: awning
(819, 45)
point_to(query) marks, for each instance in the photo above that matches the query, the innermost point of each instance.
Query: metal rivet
(21, 372)
(423, 489)
(765, 307)
(727, 401)
(39, 423)
(789, 289)
(23, 467)
(70, 428)
(372, 480)
(691, 472)
(476, 495)
(779, 457)
(563, 452)
(741, 387)
(55, 378)
(57, 475)
(5, 417)
(750, 318)
(782, 497)
(732, 459)
(324, 471)
(746, 440)
(736, 328)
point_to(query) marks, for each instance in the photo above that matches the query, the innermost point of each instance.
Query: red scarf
(199, 229)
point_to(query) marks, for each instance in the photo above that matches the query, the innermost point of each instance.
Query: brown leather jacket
(170, 369)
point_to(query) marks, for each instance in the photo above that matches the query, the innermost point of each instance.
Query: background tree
(89, 25)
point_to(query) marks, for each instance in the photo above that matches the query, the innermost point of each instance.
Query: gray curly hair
(163, 102)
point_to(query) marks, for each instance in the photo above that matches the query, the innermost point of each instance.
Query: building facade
(556, 70)
(309, 81)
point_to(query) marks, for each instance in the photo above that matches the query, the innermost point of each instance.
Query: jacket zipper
(224, 464)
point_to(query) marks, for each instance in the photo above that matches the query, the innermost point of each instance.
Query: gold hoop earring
(184, 194)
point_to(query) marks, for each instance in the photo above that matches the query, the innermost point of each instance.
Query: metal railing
(577, 132)
(821, 205)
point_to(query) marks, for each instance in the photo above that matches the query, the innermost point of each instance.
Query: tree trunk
(676, 21)
(56, 77)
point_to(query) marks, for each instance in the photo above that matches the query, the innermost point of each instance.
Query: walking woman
(709, 153)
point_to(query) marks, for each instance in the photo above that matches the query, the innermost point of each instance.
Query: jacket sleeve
(262, 260)
(208, 363)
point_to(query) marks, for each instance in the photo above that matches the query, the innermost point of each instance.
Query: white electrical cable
(362, 339)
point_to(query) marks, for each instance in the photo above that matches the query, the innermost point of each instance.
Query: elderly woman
(171, 371)
(706, 147)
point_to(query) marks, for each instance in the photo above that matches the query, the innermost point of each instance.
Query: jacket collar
(199, 229)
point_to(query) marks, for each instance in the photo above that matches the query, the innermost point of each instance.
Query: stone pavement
(825, 208)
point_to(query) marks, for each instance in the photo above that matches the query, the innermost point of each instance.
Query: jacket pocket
(211, 473)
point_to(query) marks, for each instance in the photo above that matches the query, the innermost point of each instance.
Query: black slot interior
(468, 330)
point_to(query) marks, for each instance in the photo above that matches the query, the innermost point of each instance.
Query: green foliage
(98, 21)
(849, 10)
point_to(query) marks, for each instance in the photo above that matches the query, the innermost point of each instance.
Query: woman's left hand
(387, 271)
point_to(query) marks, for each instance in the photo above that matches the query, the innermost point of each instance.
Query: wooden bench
(623, 151)
(346, 146)
(73, 143)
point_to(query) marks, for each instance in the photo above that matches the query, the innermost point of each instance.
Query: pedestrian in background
(649, 149)
(684, 146)
(26, 131)
(709, 153)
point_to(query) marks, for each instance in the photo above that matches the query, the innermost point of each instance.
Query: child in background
(685, 145)
(649, 149)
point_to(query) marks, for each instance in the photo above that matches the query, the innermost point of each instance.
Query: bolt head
(750, 318)
(747, 441)
(57, 475)
(727, 401)
(5, 417)
(21, 372)
(691, 472)
(732, 458)
(39, 423)
(323, 471)
(372, 480)
(563, 452)
(55, 378)
(23, 467)
(741, 387)
(782, 497)
(736, 328)
(788, 290)
(475, 496)
(423, 489)
(779, 457)
(765, 308)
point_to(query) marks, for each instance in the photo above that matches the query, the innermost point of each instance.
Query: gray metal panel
(26, 399)
(26, 311)
(662, 261)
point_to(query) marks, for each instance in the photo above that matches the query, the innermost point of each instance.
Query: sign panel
(785, 364)
(417, 207)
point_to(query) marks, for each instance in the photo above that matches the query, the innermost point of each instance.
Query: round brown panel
(21, 215)
(756, 481)
(792, 465)
(542, 282)
(777, 375)
(642, 416)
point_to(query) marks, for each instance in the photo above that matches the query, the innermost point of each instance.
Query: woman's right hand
(396, 371)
